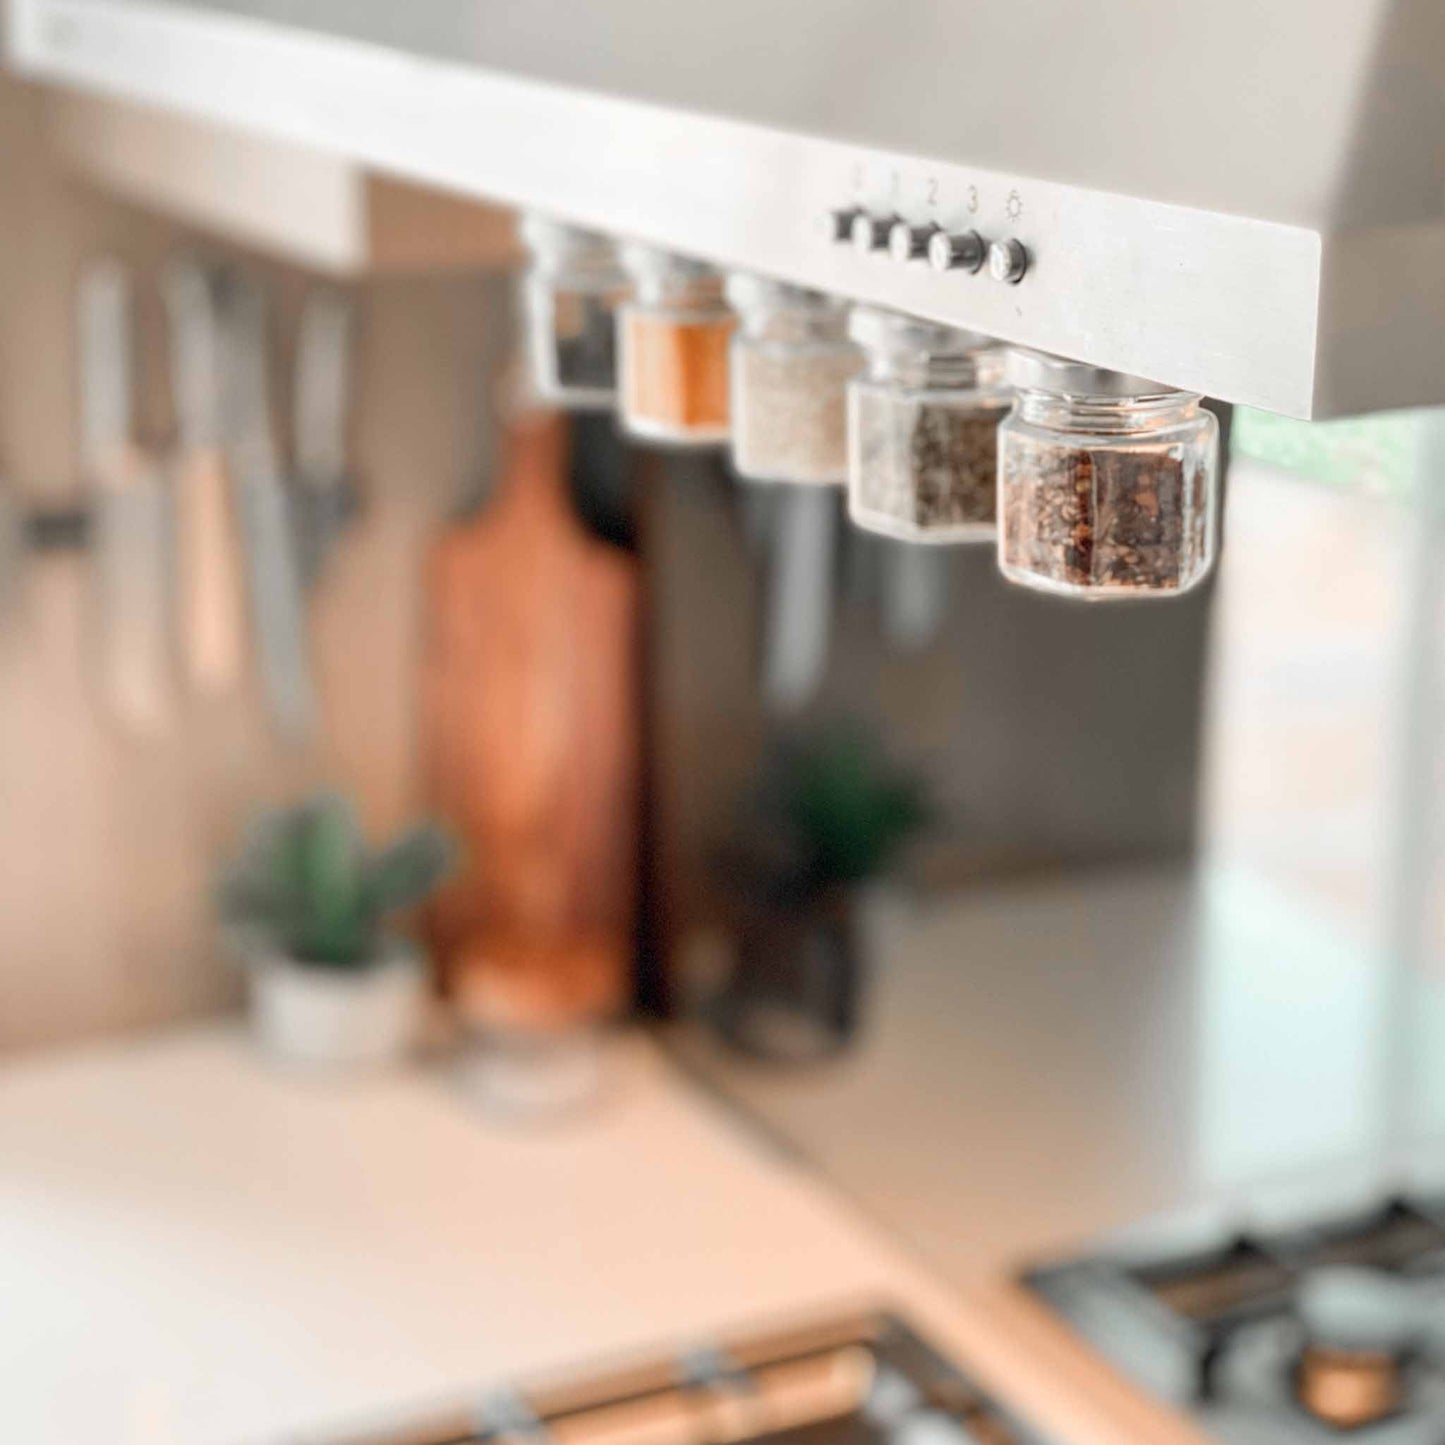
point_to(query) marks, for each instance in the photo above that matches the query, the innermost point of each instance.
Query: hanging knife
(800, 596)
(130, 510)
(213, 625)
(915, 593)
(277, 605)
(324, 500)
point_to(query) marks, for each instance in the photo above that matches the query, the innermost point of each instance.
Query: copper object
(1348, 1388)
(531, 700)
(820, 1380)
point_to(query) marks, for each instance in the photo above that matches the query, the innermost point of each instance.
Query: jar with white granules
(790, 367)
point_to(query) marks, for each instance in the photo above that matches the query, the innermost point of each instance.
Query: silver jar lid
(882, 330)
(1348, 1307)
(560, 241)
(644, 261)
(1042, 371)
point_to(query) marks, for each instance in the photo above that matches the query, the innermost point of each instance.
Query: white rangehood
(1242, 200)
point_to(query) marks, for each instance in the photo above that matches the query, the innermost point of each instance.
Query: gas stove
(865, 1380)
(1311, 1334)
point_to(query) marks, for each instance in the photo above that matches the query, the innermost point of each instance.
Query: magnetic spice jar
(570, 296)
(922, 429)
(673, 350)
(790, 365)
(1108, 484)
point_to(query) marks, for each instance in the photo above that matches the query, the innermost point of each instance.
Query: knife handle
(212, 601)
(129, 508)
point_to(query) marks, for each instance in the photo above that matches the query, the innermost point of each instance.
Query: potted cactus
(304, 904)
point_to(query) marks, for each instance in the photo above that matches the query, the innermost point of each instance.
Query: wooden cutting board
(531, 708)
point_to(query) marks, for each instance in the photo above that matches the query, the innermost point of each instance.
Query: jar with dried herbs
(790, 366)
(673, 350)
(922, 429)
(570, 296)
(1108, 483)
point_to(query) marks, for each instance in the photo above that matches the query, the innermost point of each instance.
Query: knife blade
(322, 396)
(915, 594)
(277, 605)
(130, 510)
(800, 596)
(103, 306)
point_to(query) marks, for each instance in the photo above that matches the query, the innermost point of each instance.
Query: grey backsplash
(1047, 733)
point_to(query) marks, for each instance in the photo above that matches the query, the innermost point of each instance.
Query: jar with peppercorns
(1108, 484)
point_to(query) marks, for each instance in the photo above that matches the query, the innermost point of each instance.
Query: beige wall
(107, 844)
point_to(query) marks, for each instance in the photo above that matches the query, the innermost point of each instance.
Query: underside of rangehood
(1244, 199)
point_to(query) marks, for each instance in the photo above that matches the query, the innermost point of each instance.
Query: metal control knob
(839, 224)
(956, 251)
(870, 233)
(1008, 260)
(909, 243)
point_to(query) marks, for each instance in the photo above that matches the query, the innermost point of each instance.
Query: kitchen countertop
(197, 1248)
(1049, 1060)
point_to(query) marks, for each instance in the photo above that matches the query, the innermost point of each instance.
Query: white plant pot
(310, 1014)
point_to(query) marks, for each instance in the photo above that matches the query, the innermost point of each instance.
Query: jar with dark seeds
(922, 428)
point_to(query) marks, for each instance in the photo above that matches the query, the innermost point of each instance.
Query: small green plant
(306, 885)
(831, 811)
(849, 807)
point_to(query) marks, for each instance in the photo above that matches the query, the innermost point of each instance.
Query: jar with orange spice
(673, 350)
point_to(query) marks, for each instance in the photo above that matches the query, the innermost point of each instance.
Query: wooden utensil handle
(213, 625)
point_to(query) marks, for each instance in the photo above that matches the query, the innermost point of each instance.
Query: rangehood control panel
(1121, 282)
(900, 240)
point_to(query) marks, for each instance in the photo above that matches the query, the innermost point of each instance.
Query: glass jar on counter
(922, 429)
(1108, 483)
(790, 366)
(673, 349)
(570, 297)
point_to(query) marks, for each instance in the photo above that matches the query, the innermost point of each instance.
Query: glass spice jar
(922, 429)
(790, 366)
(1108, 484)
(570, 296)
(673, 349)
